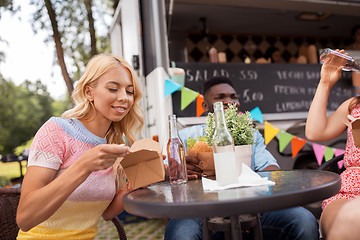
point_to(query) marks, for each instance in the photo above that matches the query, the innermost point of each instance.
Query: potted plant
(241, 128)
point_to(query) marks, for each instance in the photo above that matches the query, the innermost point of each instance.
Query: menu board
(274, 88)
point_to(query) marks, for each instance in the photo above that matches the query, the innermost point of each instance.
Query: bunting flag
(338, 152)
(296, 145)
(328, 154)
(187, 96)
(256, 114)
(284, 140)
(319, 151)
(270, 132)
(170, 87)
(199, 101)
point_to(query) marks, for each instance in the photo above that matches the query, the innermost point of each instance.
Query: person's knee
(302, 217)
(183, 229)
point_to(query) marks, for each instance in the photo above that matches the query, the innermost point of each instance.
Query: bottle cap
(172, 117)
(218, 105)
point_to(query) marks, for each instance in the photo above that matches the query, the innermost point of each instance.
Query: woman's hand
(116, 206)
(102, 156)
(331, 69)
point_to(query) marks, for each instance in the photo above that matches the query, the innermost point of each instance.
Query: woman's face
(113, 95)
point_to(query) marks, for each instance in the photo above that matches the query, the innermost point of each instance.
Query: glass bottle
(223, 149)
(349, 63)
(176, 154)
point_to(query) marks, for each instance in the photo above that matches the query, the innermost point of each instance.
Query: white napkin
(247, 178)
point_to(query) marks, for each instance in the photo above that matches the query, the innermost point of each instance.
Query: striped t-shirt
(58, 144)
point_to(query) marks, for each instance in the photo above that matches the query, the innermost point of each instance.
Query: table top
(292, 188)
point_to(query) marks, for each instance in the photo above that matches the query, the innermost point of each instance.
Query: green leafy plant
(240, 126)
(191, 141)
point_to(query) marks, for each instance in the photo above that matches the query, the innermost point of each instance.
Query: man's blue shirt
(260, 159)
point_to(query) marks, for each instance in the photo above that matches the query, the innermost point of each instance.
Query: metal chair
(331, 163)
(9, 200)
(232, 227)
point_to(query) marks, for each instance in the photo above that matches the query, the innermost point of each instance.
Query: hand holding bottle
(339, 59)
(333, 64)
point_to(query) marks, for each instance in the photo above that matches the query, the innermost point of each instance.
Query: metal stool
(233, 226)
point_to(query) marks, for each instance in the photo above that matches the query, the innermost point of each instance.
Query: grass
(145, 230)
(9, 171)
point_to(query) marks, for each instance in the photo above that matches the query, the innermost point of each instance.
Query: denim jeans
(293, 223)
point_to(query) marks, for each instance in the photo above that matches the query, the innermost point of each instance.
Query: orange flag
(296, 145)
(199, 101)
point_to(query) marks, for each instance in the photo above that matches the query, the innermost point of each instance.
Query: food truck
(153, 35)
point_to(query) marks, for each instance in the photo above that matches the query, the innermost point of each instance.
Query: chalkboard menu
(274, 88)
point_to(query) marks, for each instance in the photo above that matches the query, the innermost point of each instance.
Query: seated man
(293, 223)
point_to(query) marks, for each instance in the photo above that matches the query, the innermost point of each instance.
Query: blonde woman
(69, 183)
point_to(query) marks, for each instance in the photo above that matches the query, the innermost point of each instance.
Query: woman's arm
(319, 127)
(42, 195)
(116, 206)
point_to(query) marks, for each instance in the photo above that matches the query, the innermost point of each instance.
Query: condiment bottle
(213, 55)
(349, 63)
(176, 154)
(223, 150)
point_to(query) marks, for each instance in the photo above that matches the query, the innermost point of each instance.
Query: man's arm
(271, 168)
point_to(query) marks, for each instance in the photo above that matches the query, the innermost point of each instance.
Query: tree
(23, 110)
(5, 5)
(72, 24)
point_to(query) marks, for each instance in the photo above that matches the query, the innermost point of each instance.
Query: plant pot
(243, 155)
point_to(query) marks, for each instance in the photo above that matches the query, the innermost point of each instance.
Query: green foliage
(74, 28)
(60, 106)
(191, 141)
(240, 126)
(19, 149)
(23, 110)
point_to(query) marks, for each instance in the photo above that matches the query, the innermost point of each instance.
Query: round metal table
(292, 188)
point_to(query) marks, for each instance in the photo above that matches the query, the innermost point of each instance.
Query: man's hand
(193, 171)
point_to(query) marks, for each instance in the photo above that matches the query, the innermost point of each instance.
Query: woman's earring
(91, 104)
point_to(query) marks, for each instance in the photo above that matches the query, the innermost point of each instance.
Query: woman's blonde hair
(132, 123)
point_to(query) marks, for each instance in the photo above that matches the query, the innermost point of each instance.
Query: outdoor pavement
(140, 229)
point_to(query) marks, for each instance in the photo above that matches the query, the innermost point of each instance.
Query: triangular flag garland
(321, 151)
(170, 87)
(328, 154)
(284, 140)
(187, 96)
(257, 115)
(199, 108)
(270, 133)
(338, 152)
(296, 145)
